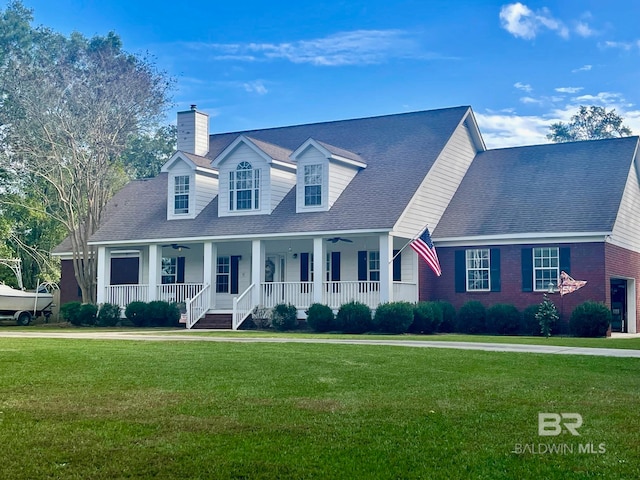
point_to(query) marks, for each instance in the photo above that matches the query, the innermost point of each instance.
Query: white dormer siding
(314, 160)
(254, 177)
(189, 188)
(193, 132)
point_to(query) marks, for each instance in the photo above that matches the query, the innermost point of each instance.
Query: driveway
(172, 336)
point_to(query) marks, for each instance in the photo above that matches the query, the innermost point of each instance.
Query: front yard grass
(127, 409)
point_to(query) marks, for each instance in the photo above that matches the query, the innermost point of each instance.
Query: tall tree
(589, 123)
(146, 153)
(68, 105)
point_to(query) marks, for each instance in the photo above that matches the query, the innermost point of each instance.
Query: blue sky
(257, 64)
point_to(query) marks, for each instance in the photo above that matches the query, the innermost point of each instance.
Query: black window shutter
(397, 266)
(527, 270)
(565, 260)
(233, 287)
(304, 267)
(461, 271)
(335, 266)
(180, 270)
(362, 266)
(494, 269)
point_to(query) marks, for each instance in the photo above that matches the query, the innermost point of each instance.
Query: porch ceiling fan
(177, 246)
(339, 239)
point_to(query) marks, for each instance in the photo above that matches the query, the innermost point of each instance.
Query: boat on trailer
(24, 305)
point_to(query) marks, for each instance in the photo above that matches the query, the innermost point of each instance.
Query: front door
(618, 305)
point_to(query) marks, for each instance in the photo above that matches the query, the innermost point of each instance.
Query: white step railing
(336, 294)
(198, 305)
(242, 307)
(299, 294)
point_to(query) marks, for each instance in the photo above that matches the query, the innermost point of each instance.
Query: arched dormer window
(244, 187)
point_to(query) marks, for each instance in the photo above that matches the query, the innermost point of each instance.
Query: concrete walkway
(172, 336)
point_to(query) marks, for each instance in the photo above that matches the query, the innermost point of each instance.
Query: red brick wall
(587, 263)
(68, 284)
(620, 262)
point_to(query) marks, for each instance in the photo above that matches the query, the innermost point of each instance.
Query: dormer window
(181, 195)
(313, 185)
(244, 187)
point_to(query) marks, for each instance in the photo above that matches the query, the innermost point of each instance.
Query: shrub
(321, 318)
(547, 316)
(590, 319)
(261, 317)
(503, 319)
(108, 315)
(284, 317)
(427, 317)
(472, 318)
(448, 316)
(393, 317)
(162, 314)
(69, 311)
(354, 317)
(530, 324)
(87, 314)
(136, 313)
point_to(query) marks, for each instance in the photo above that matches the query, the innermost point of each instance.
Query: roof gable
(269, 152)
(330, 152)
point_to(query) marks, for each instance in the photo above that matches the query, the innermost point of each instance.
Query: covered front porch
(235, 276)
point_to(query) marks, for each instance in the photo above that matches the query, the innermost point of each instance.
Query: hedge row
(141, 314)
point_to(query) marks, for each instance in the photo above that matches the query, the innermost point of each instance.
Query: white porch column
(102, 280)
(318, 269)
(257, 269)
(154, 270)
(386, 270)
(210, 261)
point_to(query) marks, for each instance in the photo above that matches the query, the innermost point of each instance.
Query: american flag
(425, 249)
(568, 284)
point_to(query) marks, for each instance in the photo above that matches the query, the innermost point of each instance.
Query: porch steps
(220, 321)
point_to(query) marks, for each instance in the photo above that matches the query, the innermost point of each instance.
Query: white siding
(193, 132)
(282, 182)
(243, 153)
(340, 176)
(206, 188)
(626, 229)
(439, 186)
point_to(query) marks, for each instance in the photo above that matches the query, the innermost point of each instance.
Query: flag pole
(407, 244)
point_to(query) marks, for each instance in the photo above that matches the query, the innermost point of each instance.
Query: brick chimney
(193, 132)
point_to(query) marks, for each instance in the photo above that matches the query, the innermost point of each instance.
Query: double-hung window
(546, 267)
(169, 270)
(477, 266)
(373, 265)
(181, 194)
(312, 185)
(223, 274)
(244, 187)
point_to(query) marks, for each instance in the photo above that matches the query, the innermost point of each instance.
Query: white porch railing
(336, 294)
(242, 307)
(198, 305)
(178, 292)
(123, 295)
(299, 294)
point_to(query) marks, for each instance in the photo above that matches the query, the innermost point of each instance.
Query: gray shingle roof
(202, 162)
(399, 150)
(553, 188)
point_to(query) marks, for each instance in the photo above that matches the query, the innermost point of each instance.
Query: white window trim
(172, 264)
(255, 188)
(187, 194)
(227, 263)
(320, 184)
(371, 258)
(478, 259)
(545, 288)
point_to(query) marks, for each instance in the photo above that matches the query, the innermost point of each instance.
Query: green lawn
(125, 409)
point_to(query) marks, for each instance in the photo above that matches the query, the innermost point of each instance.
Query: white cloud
(358, 47)
(255, 87)
(523, 86)
(500, 130)
(584, 68)
(530, 100)
(626, 46)
(568, 89)
(584, 30)
(520, 21)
